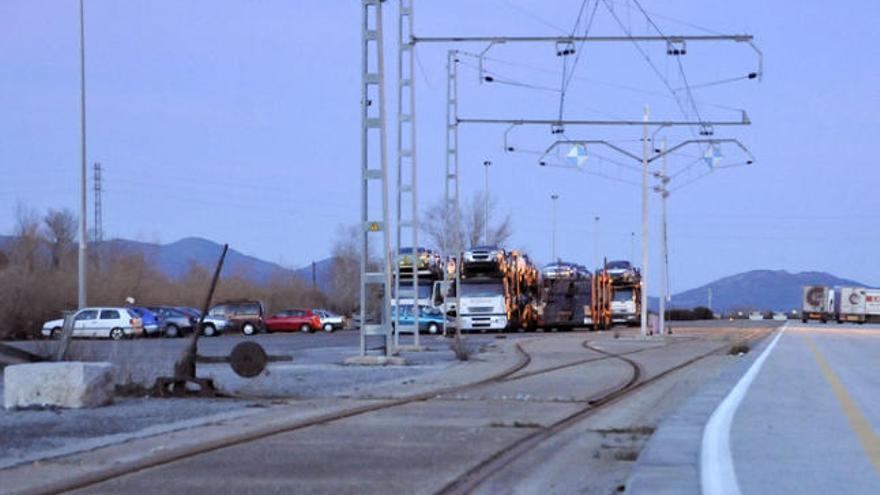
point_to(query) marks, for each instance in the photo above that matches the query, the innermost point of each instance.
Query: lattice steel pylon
(99, 215)
(451, 183)
(373, 130)
(407, 184)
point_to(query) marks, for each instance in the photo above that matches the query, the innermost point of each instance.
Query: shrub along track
(482, 472)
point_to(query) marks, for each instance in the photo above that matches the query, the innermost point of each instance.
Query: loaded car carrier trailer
(566, 296)
(626, 290)
(498, 291)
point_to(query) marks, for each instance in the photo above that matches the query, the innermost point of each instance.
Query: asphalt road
(808, 423)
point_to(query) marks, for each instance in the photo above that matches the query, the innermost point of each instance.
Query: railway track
(473, 478)
(482, 472)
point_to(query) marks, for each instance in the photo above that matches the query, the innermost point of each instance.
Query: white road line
(717, 476)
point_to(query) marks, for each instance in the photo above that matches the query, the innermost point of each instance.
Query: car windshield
(481, 290)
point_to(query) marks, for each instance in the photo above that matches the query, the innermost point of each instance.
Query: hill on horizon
(767, 290)
(173, 260)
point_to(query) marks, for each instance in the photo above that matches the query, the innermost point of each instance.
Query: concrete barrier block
(65, 384)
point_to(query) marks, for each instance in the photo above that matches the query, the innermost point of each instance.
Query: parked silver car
(330, 321)
(114, 323)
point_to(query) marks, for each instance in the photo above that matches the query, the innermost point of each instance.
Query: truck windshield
(481, 290)
(623, 295)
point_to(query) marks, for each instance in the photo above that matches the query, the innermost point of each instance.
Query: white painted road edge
(717, 476)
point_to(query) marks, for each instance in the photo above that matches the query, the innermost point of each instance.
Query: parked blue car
(152, 322)
(430, 319)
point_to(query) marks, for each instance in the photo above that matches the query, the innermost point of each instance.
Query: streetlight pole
(83, 240)
(645, 230)
(486, 165)
(596, 256)
(554, 197)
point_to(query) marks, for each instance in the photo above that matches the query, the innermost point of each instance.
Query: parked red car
(292, 320)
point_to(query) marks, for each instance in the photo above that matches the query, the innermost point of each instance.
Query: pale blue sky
(238, 121)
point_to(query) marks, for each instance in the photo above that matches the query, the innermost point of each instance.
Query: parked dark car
(292, 320)
(246, 316)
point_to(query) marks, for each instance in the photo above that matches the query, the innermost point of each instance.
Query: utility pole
(645, 230)
(99, 220)
(709, 297)
(664, 256)
(486, 165)
(632, 248)
(554, 197)
(596, 256)
(83, 240)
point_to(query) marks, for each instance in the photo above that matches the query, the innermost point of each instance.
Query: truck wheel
(248, 329)
(328, 327)
(433, 328)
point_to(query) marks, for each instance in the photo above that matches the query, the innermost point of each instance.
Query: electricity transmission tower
(97, 193)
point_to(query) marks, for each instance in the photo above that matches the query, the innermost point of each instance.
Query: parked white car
(113, 323)
(330, 321)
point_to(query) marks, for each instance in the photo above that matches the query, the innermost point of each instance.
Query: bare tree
(26, 241)
(345, 271)
(439, 225)
(60, 234)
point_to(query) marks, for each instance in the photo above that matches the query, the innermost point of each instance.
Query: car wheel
(328, 327)
(171, 331)
(306, 328)
(433, 328)
(117, 334)
(55, 333)
(209, 331)
(248, 329)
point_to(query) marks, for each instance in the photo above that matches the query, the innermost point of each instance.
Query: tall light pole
(486, 165)
(596, 256)
(632, 247)
(646, 148)
(83, 240)
(554, 197)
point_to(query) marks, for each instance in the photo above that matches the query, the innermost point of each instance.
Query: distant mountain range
(776, 290)
(174, 260)
(773, 290)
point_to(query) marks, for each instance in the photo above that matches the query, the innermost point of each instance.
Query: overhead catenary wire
(566, 80)
(650, 62)
(534, 16)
